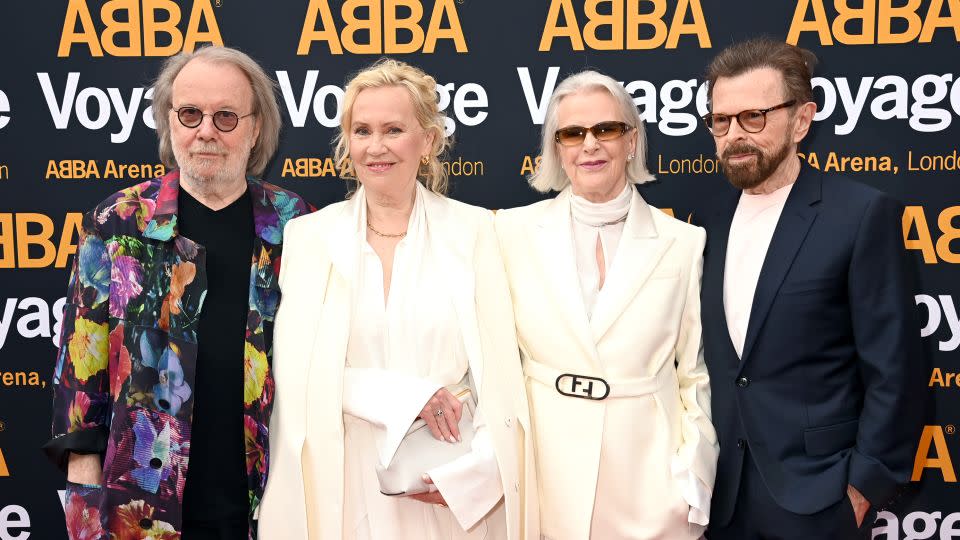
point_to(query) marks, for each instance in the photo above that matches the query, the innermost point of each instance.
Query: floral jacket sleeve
(125, 371)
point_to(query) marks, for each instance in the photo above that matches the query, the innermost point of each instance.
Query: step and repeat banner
(76, 124)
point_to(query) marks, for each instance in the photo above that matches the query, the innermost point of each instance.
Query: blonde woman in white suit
(389, 297)
(606, 295)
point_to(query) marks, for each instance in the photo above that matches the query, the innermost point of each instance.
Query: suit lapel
(343, 241)
(715, 263)
(639, 252)
(554, 251)
(799, 213)
(453, 246)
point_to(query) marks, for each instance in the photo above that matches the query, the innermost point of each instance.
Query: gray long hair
(550, 175)
(264, 103)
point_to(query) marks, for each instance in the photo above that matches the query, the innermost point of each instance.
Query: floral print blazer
(125, 370)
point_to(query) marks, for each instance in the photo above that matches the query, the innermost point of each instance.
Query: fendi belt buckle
(582, 386)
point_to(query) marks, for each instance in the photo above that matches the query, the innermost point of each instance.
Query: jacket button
(164, 404)
(508, 421)
(516, 487)
(743, 382)
(146, 523)
(156, 463)
(741, 444)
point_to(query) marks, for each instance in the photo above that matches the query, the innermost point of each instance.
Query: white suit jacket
(644, 335)
(304, 494)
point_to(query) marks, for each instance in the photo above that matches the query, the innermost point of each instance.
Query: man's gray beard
(209, 181)
(750, 176)
(223, 175)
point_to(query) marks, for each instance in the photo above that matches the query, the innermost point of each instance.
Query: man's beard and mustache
(752, 173)
(199, 170)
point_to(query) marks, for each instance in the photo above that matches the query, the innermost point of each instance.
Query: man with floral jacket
(162, 385)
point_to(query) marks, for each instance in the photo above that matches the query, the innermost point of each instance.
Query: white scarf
(593, 221)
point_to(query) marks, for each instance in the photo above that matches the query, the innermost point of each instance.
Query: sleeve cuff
(694, 492)
(470, 485)
(84, 441)
(397, 420)
(871, 478)
(389, 400)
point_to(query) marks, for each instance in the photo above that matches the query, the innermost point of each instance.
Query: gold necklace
(385, 235)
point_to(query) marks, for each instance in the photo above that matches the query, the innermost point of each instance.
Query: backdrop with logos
(76, 125)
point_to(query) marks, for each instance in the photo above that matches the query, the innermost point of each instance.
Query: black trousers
(757, 516)
(216, 530)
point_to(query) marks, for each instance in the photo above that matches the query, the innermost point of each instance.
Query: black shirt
(216, 486)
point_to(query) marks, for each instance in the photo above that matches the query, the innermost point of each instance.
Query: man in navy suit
(809, 322)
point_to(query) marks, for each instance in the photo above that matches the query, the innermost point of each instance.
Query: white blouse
(399, 353)
(592, 221)
(606, 221)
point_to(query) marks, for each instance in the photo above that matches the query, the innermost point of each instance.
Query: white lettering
(297, 110)
(948, 527)
(4, 108)
(935, 314)
(538, 107)
(60, 113)
(672, 122)
(462, 102)
(14, 517)
(919, 112)
(929, 521)
(95, 100)
(646, 102)
(852, 106)
(148, 112)
(40, 315)
(8, 318)
(466, 101)
(58, 307)
(916, 526)
(320, 105)
(928, 103)
(898, 96)
(829, 98)
(126, 112)
(83, 108)
(35, 322)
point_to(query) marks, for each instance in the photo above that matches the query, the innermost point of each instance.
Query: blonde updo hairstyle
(422, 89)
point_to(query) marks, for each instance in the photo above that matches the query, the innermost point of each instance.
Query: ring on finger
(438, 413)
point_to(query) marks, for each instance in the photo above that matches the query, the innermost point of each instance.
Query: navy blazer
(830, 387)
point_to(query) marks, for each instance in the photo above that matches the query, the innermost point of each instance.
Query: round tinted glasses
(225, 121)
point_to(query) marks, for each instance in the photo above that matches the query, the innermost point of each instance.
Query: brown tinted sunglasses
(604, 131)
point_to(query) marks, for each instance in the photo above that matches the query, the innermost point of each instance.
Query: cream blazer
(305, 489)
(644, 335)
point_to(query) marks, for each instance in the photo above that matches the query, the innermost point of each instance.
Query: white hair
(550, 175)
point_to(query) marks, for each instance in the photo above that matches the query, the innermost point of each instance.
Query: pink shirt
(750, 233)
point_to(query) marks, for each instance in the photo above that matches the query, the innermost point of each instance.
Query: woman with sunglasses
(390, 297)
(606, 296)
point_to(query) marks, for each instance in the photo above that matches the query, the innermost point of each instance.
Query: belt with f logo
(582, 386)
(595, 388)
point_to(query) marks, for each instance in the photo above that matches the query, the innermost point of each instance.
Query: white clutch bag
(420, 451)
